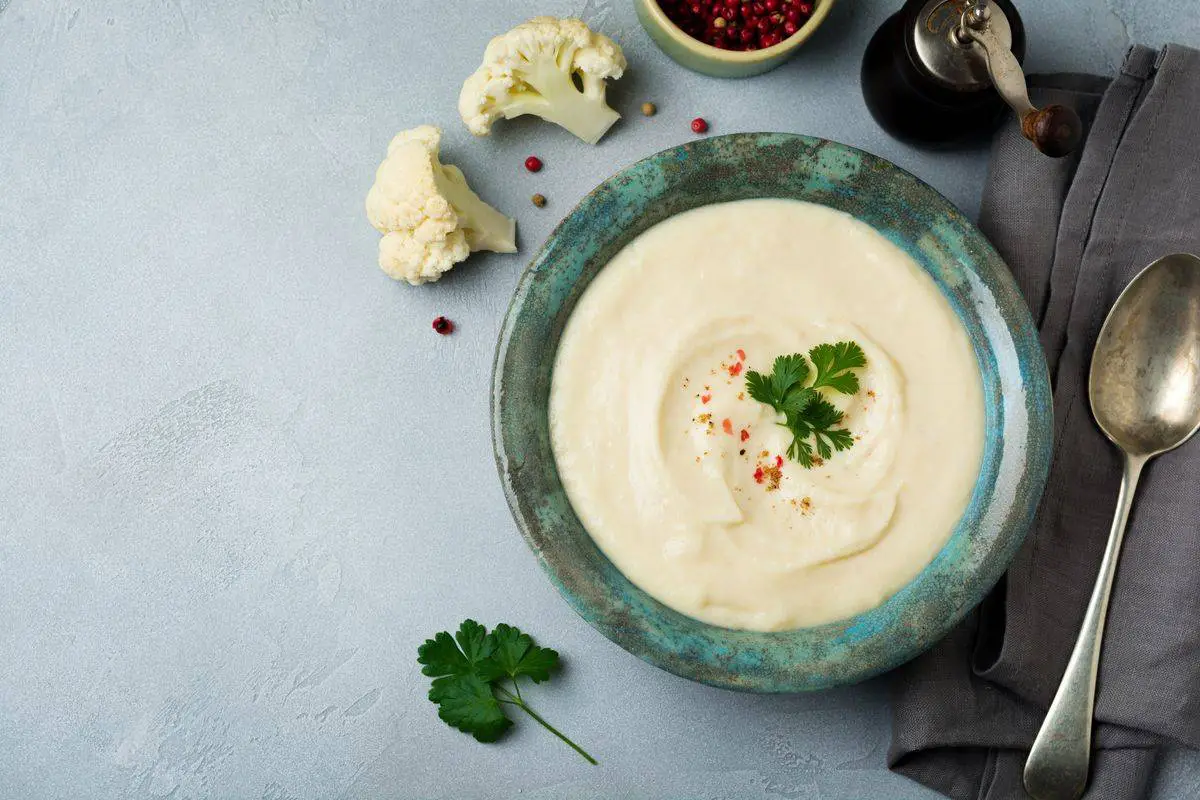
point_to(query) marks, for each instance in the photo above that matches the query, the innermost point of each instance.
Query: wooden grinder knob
(1054, 130)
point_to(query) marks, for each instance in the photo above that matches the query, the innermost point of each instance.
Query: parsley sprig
(475, 675)
(807, 414)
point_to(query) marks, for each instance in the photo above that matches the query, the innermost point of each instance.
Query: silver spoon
(1144, 388)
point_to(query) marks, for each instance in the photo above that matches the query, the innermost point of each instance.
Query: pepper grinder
(939, 72)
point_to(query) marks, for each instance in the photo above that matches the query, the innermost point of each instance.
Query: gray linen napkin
(1074, 233)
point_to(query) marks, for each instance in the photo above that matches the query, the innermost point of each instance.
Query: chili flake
(745, 434)
(727, 426)
(704, 398)
(735, 369)
(741, 354)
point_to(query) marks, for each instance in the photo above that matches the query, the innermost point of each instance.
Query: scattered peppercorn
(699, 125)
(443, 326)
(539, 200)
(533, 164)
(649, 109)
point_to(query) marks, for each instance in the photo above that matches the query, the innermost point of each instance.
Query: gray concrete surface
(240, 478)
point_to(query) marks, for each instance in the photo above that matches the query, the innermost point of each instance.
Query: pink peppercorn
(739, 24)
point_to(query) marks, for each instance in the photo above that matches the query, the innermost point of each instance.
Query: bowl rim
(714, 657)
(821, 10)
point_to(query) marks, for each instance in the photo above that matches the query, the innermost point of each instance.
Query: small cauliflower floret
(430, 219)
(533, 69)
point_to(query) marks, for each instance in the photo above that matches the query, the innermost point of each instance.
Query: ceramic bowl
(709, 60)
(966, 270)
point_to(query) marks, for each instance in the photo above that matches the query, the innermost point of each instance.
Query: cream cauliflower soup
(766, 415)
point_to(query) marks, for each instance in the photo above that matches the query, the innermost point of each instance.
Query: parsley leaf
(798, 399)
(475, 675)
(758, 386)
(818, 421)
(806, 413)
(516, 655)
(834, 362)
(786, 378)
(441, 656)
(466, 702)
(821, 415)
(841, 439)
(800, 451)
(470, 656)
(787, 372)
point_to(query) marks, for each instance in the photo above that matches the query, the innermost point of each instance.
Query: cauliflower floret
(533, 69)
(428, 215)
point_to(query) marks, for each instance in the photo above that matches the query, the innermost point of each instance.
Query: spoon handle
(1057, 768)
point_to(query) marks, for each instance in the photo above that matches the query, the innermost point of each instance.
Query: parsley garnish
(806, 413)
(476, 677)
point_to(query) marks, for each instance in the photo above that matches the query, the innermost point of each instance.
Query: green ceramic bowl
(966, 270)
(709, 60)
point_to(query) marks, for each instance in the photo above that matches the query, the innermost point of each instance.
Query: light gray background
(241, 480)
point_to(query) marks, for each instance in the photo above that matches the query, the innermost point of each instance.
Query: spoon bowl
(1144, 384)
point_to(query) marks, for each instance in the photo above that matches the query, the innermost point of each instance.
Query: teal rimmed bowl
(966, 270)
